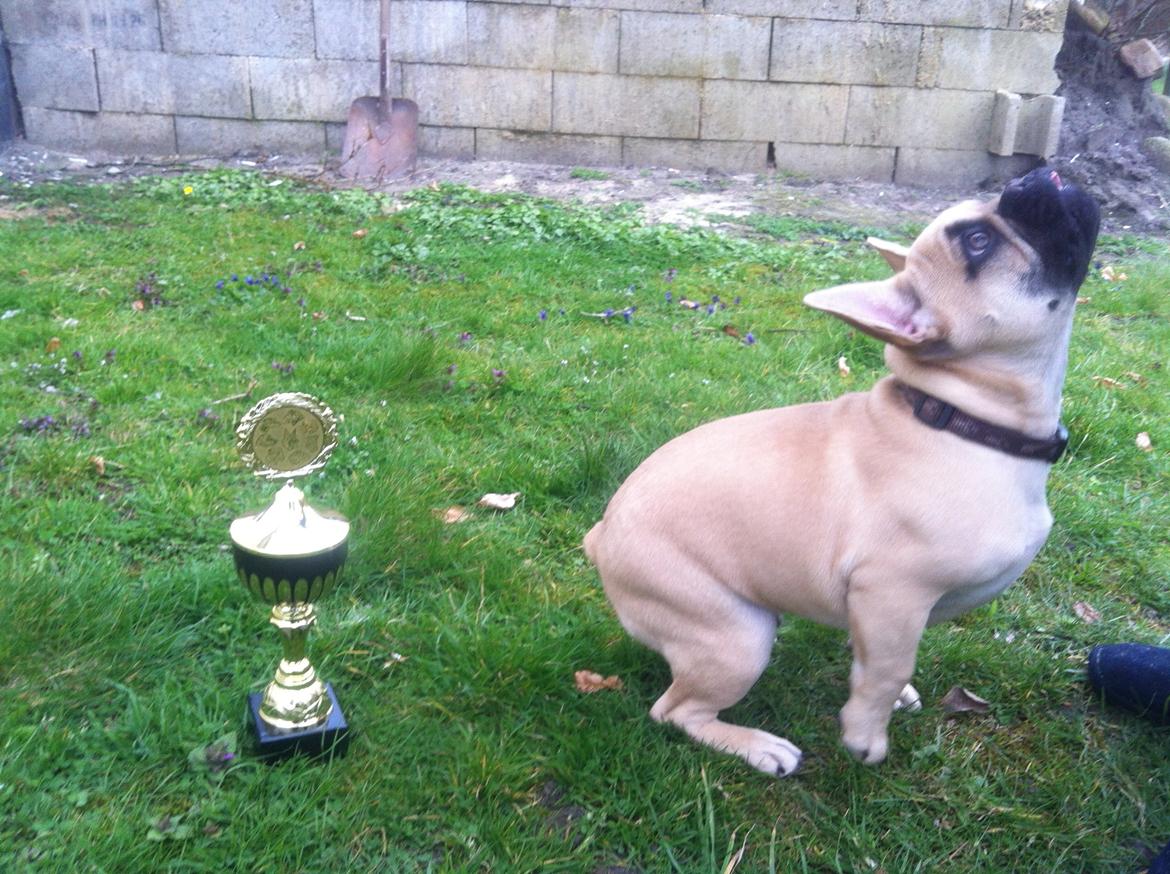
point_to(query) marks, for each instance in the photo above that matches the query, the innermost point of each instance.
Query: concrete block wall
(897, 90)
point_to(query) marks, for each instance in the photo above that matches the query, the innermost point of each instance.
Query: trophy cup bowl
(290, 555)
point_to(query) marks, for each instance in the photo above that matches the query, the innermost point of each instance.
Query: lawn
(475, 343)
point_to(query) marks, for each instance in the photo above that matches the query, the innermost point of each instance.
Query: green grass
(126, 642)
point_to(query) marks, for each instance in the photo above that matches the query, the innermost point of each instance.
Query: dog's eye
(976, 241)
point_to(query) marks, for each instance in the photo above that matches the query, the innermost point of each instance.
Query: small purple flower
(81, 429)
(608, 313)
(628, 313)
(669, 297)
(714, 298)
(710, 309)
(670, 274)
(219, 284)
(285, 368)
(542, 315)
(77, 355)
(499, 375)
(301, 302)
(749, 339)
(561, 311)
(737, 300)
(286, 290)
(109, 357)
(248, 280)
(451, 368)
(235, 277)
(464, 338)
(207, 415)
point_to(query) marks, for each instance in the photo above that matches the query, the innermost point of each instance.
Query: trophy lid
(289, 527)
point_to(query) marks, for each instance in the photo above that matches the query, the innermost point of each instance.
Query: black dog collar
(945, 417)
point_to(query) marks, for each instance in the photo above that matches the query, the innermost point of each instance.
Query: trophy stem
(295, 699)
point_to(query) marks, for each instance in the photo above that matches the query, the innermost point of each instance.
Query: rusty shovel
(381, 133)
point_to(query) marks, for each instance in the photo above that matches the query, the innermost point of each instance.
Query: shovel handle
(384, 50)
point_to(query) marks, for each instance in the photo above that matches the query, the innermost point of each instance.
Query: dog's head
(983, 276)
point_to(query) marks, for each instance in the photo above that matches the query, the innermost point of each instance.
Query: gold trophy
(290, 555)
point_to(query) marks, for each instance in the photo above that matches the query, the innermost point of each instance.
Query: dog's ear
(881, 309)
(894, 253)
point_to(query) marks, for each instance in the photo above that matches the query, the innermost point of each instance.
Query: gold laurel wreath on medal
(286, 435)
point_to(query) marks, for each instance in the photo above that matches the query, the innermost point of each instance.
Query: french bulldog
(880, 512)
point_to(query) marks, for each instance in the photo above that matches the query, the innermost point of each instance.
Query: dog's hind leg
(712, 668)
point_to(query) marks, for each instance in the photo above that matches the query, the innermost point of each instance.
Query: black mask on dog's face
(1058, 221)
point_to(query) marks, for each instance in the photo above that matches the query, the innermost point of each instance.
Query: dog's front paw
(864, 736)
(772, 755)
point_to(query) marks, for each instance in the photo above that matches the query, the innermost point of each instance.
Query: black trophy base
(331, 738)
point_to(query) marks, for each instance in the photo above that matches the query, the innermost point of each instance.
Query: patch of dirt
(1108, 113)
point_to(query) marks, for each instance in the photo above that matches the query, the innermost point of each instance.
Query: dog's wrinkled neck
(1024, 395)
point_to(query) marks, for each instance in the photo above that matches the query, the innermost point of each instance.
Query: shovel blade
(381, 142)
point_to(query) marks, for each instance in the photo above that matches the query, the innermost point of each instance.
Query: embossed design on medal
(289, 554)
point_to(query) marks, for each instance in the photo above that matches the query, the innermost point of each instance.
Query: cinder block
(1028, 127)
(106, 131)
(958, 168)
(587, 40)
(446, 142)
(638, 5)
(226, 136)
(272, 28)
(346, 30)
(951, 13)
(1143, 58)
(479, 96)
(928, 119)
(154, 82)
(625, 105)
(696, 155)
(1005, 121)
(769, 111)
(980, 60)
(542, 148)
(1043, 15)
(871, 163)
(429, 31)
(711, 46)
(307, 90)
(55, 77)
(502, 35)
(122, 24)
(835, 10)
(844, 51)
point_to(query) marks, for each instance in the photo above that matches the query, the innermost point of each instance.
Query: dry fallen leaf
(1111, 274)
(99, 464)
(1143, 442)
(453, 514)
(1136, 377)
(959, 700)
(731, 330)
(138, 306)
(588, 682)
(689, 304)
(53, 345)
(1083, 299)
(843, 366)
(360, 232)
(299, 246)
(1107, 382)
(495, 501)
(1086, 612)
